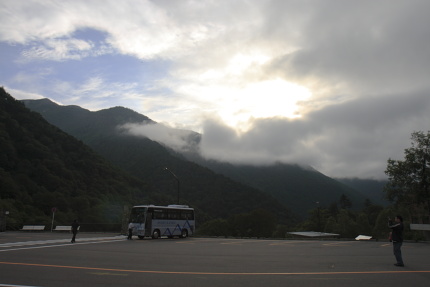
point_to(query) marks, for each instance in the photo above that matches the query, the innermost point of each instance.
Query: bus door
(140, 224)
(148, 223)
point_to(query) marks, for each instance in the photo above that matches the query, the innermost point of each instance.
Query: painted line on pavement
(218, 273)
(10, 285)
(33, 242)
(61, 245)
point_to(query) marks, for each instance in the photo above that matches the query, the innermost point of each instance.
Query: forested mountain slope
(370, 188)
(301, 189)
(42, 167)
(214, 195)
(293, 186)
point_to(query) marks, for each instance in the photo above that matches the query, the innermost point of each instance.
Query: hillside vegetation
(215, 195)
(301, 189)
(42, 167)
(293, 186)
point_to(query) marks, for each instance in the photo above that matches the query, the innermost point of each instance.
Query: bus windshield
(138, 214)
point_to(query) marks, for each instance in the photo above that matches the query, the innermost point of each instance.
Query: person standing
(75, 227)
(130, 230)
(397, 238)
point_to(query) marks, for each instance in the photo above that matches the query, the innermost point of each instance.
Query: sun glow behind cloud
(254, 99)
(239, 91)
(265, 99)
(238, 103)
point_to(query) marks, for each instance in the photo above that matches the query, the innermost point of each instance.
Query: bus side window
(173, 214)
(158, 214)
(187, 215)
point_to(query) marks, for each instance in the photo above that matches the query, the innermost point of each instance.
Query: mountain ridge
(215, 195)
(289, 190)
(42, 167)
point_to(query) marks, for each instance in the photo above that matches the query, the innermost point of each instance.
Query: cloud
(179, 140)
(145, 29)
(339, 85)
(362, 47)
(58, 50)
(355, 138)
(18, 94)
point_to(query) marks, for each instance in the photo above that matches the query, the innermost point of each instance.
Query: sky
(334, 84)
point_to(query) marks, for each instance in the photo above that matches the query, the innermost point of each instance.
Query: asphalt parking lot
(49, 259)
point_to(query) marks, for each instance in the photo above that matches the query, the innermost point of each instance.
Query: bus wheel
(141, 237)
(184, 233)
(155, 234)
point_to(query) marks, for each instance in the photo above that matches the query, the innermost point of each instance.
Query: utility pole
(177, 179)
(54, 209)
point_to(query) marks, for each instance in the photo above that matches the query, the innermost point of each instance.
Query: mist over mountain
(122, 136)
(301, 189)
(214, 195)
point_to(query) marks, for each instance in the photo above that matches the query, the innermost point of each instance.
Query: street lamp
(177, 179)
(5, 220)
(318, 214)
(54, 209)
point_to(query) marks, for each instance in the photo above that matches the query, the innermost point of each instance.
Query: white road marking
(10, 285)
(56, 243)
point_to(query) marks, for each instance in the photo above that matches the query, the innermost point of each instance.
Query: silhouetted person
(130, 230)
(397, 238)
(75, 226)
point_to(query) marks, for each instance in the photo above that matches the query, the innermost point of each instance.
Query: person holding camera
(397, 238)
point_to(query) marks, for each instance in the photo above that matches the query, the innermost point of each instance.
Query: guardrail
(424, 227)
(84, 227)
(33, 228)
(64, 228)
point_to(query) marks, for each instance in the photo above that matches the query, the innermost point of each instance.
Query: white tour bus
(156, 221)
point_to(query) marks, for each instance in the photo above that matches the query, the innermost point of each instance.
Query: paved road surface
(49, 259)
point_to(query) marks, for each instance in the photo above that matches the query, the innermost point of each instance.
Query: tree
(348, 224)
(372, 211)
(215, 227)
(409, 180)
(363, 224)
(345, 202)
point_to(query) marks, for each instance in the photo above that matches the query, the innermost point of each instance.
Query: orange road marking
(108, 274)
(215, 273)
